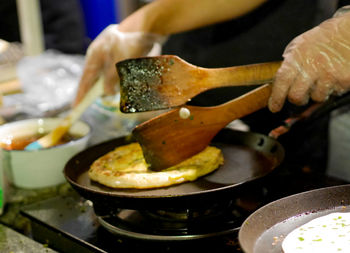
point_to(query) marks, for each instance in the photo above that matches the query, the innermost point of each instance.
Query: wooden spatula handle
(242, 75)
(248, 103)
(220, 116)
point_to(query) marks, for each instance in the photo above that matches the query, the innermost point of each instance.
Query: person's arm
(173, 16)
(136, 35)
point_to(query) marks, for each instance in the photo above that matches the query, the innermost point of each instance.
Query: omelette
(125, 167)
(325, 234)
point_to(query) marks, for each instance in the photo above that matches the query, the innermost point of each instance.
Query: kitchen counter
(12, 241)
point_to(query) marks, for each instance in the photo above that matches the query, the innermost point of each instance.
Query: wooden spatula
(166, 81)
(169, 139)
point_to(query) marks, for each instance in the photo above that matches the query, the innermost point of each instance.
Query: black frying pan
(280, 217)
(248, 157)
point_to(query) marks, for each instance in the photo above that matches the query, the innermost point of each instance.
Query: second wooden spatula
(171, 138)
(161, 82)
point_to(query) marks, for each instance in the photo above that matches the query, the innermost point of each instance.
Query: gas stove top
(70, 224)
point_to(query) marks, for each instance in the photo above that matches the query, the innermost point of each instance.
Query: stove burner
(189, 215)
(175, 225)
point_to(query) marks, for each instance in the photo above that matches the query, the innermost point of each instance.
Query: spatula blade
(139, 82)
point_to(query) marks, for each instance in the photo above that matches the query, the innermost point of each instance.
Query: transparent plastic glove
(107, 49)
(316, 64)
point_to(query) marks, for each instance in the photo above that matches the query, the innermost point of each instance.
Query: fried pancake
(125, 167)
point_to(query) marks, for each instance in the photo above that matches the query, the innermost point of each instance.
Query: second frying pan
(248, 157)
(264, 230)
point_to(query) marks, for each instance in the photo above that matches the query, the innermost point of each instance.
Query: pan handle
(288, 123)
(313, 112)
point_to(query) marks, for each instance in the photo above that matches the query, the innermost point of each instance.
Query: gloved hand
(316, 64)
(107, 49)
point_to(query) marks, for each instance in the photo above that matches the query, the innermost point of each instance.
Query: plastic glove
(316, 64)
(107, 49)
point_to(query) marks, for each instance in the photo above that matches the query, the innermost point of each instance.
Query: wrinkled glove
(316, 64)
(107, 49)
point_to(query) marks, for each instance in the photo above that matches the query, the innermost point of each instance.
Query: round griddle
(264, 230)
(248, 157)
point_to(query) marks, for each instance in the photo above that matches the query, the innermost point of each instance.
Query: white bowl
(44, 167)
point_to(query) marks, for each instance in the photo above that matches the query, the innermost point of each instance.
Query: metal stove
(70, 224)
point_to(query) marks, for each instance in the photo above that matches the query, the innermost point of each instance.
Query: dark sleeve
(9, 29)
(63, 26)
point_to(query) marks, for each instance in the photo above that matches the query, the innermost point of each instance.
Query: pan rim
(163, 196)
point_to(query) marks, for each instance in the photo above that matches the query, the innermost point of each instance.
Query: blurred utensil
(171, 138)
(161, 82)
(53, 137)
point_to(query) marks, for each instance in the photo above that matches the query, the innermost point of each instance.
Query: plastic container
(44, 167)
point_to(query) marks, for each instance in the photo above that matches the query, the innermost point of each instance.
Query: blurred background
(87, 18)
(42, 53)
(42, 48)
